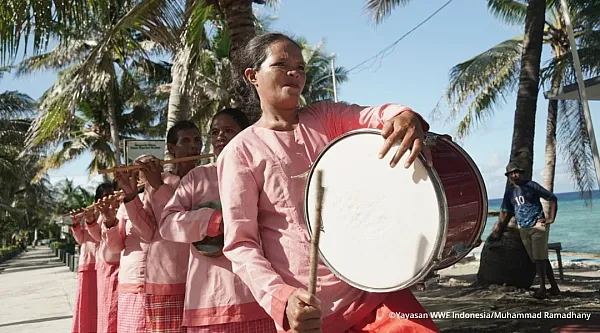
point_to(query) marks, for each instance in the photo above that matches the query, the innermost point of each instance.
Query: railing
(69, 259)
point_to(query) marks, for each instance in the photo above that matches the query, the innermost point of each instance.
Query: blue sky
(415, 73)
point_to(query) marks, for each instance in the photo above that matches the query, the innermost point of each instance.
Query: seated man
(522, 200)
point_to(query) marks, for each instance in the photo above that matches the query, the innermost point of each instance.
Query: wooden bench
(557, 247)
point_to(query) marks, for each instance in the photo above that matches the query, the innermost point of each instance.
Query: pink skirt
(85, 312)
(164, 313)
(131, 318)
(255, 326)
(107, 297)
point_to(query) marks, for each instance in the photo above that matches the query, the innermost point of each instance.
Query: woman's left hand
(405, 128)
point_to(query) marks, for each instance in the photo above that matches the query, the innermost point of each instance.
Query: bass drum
(466, 198)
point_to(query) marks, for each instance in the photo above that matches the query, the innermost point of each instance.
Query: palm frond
(14, 103)
(483, 81)
(509, 11)
(59, 58)
(57, 111)
(21, 21)
(69, 152)
(380, 9)
(575, 147)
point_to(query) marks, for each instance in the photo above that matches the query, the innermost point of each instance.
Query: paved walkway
(37, 293)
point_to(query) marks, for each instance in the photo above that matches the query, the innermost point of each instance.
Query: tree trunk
(550, 157)
(112, 111)
(240, 23)
(524, 126)
(505, 261)
(178, 106)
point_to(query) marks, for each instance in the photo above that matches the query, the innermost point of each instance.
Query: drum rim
(440, 241)
(485, 205)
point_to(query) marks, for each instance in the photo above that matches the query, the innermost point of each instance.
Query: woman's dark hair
(179, 126)
(238, 116)
(252, 56)
(101, 188)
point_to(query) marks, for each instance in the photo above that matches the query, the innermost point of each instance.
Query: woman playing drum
(260, 177)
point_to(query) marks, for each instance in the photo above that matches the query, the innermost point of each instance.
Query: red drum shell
(466, 196)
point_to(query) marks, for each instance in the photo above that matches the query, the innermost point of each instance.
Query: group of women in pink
(140, 272)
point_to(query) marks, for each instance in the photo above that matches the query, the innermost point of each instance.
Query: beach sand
(458, 294)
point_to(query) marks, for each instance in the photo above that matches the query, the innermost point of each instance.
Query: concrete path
(37, 293)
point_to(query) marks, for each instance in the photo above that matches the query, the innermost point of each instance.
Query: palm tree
(70, 197)
(24, 205)
(13, 106)
(93, 91)
(319, 79)
(479, 84)
(86, 133)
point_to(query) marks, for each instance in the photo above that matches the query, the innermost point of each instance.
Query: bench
(557, 247)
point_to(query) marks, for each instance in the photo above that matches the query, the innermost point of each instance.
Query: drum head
(383, 228)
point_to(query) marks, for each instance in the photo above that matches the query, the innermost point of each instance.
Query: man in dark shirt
(522, 201)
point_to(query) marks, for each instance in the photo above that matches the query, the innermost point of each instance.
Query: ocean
(577, 227)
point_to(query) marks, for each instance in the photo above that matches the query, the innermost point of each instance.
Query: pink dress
(85, 312)
(265, 234)
(216, 299)
(107, 271)
(166, 267)
(126, 238)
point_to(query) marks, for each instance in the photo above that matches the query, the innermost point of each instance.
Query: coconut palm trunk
(550, 156)
(505, 261)
(524, 126)
(178, 106)
(241, 25)
(111, 115)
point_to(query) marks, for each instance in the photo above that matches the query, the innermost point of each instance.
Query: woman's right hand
(89, 216)
(108, 210)
(76, 218)
(128, 183)
(303, 312)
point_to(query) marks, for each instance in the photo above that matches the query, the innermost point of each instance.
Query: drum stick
(162, 162)
(314, 244)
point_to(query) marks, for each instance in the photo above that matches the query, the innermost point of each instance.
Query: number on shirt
(520, 200)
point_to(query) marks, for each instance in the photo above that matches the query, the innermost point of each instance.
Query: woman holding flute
(86, 234)
(122, 236)
(107, 271)
(166, 261)
(216, 301)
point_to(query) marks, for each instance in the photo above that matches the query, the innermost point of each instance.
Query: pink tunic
(214, 295)
(167, 261)
(104, 255)
(126, 239)
(107, 268)
(89, 244)
(265, 234)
